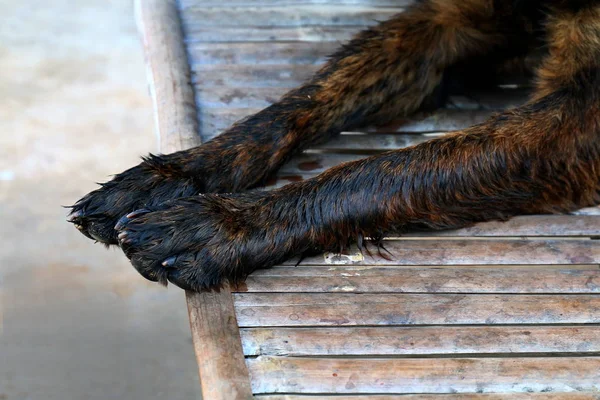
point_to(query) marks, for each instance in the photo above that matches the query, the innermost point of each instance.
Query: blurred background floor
(76, 320)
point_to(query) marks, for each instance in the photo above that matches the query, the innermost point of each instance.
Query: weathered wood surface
(503, 293)
(223, 372)
(308, 33)
(168, 74)
(420, 341)
(442, 375)
(335, 309)
(468, 252)
(282, 16)
(251, 53)
(190, 4)
(530, 225)
(422, 280)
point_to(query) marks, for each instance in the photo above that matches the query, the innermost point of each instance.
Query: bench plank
(451, 375)
(187, 4)
(336, 309)
(253, 53)
(273, 17)
(415, 341)
(422, 280)
(469, 252)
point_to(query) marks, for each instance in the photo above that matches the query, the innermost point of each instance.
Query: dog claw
(121, 223)
(124, 220)
(74, 216)
(137, 213)
(169, 262)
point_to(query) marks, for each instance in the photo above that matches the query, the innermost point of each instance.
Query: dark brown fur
(543, 157)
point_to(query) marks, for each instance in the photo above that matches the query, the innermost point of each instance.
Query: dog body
(542, 157)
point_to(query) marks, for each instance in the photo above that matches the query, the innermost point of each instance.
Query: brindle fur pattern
(542, 157)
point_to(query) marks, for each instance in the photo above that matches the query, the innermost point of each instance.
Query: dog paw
(154, 181)
(201, 242)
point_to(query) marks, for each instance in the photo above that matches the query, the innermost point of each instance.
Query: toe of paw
(126, 219)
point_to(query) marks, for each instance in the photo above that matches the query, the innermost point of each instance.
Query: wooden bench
(499, 310)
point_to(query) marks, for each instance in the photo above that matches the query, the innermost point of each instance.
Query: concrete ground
(76, 320)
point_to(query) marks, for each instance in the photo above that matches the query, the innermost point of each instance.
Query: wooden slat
(529, 225)
(187, 4)
(239, 97)
(421, 280)
(252, 53)
(168, 74)
(260, 75)
(419, 341)
(478, 396)
(223, 373)
(474, 252)
(302, 309)
(275, 17)
(319, 375)
(215, 120)
(217, 344)
(314, 33)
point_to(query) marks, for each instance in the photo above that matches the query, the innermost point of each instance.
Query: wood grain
(471, 252)
(317, 33)
(419, 341)
(253, 53)
(319, 375)
(168, 74)
(529, 225)
(276, 16)
(336, 309)
(186, 4)
(223, 373)
(422, 280)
